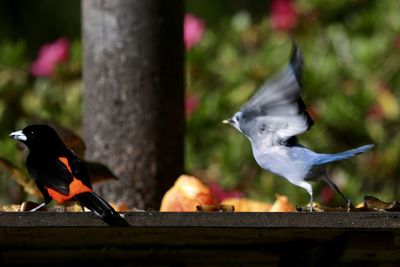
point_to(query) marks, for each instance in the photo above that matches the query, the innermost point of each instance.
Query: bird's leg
(47, 200)
(329, 181)
(38, 207)
(82, 207)
(349, 205)
(307, 187)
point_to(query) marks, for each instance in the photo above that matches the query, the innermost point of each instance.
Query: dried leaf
(282, 204)
(318, 208)
(247, 205)
(20, 177)
(370, 204)
(226, 208)
(10, 208)
(187, 193)
(70, 207)
(374, 204)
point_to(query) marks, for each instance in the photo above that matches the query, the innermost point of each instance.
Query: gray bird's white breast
(292, 163)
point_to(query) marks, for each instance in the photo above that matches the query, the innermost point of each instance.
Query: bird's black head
(38, 136)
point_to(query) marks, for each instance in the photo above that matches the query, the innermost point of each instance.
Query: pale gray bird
(273, 117)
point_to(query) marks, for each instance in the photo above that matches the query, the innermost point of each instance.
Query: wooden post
(133, 114)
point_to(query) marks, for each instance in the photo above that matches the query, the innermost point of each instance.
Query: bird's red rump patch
(75, 188)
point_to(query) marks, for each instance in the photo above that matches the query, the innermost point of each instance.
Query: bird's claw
(349, 205)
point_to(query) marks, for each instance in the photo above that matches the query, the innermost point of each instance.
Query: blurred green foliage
(351, 85)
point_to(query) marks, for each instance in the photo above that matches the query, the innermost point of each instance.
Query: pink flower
(219, 194)
(193, 30)
(49, 56)
(191, 104)
(283, 15)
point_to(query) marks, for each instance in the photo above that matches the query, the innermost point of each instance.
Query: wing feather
(51, 173)
(277, 112)
(54, 174)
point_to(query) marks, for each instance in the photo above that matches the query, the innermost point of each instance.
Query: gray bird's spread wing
(276, 112)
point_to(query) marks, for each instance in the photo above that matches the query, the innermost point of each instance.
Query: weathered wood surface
(193, 239)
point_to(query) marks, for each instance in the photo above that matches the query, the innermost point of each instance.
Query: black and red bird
(60, 174)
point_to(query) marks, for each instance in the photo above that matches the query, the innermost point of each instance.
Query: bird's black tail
(101, 208)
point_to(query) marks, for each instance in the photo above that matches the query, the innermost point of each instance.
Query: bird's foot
(38, 207)
(349, 205)
(311, 207)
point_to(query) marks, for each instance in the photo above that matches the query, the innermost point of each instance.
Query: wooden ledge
(323, 220)
(200, 238)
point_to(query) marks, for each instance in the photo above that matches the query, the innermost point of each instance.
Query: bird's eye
(237, 117)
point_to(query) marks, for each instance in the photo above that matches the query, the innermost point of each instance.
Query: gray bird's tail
(327, 158)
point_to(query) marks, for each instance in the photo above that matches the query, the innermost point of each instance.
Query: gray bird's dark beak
(18, 135)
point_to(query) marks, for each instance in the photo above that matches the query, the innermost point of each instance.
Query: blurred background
(351, 84)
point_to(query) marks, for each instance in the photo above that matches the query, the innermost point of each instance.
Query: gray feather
(277, 112)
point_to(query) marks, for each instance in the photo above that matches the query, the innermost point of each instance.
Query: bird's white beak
(228, 121)
(18, 135)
